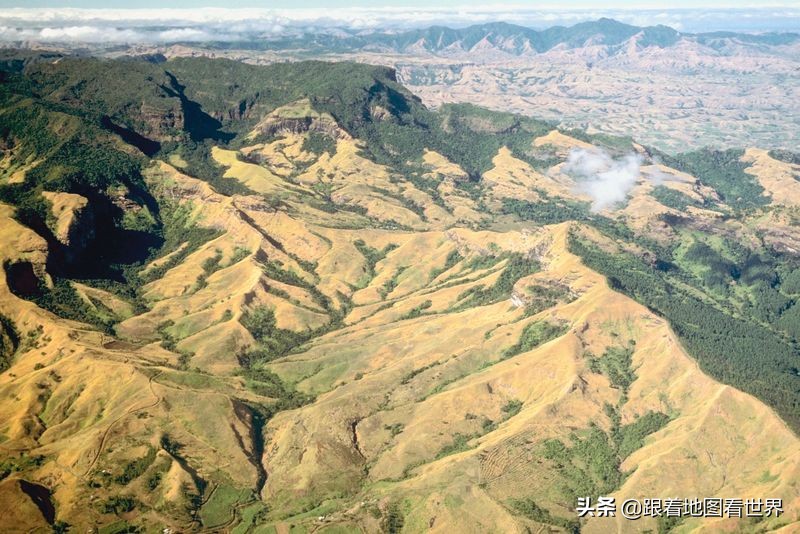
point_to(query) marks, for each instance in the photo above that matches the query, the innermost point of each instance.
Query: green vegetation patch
(535, 334)
(589, 465)
(61, 299)
(512, 408)
(527, 507)
(391, 283)
(319, 143)
(20, 464)
(451, 261)
(372, 257)
(273, 342)
(252, 516)
(393, 519)
(220, 507)
(9, 341)
(550, 210)
(674, 199)
(136, 468)
(416, 311)
(518, 266)
(118, 527)
(118, 504)
(544, 295)
(201, 164)
(722, 170)
(630, 438)
(460, 443)
(785, 156)
(616, 364)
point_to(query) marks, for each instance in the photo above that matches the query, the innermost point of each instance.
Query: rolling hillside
(291, 298)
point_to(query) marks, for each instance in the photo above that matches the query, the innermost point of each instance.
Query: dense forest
(730, 346)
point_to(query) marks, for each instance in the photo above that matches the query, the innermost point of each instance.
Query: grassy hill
(291, 298)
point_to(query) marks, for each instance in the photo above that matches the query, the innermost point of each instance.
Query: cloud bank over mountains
(72, 25)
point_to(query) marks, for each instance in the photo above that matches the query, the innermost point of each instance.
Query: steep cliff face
(161, 125)
(243, 110)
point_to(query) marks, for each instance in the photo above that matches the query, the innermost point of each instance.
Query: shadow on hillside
(196, 122)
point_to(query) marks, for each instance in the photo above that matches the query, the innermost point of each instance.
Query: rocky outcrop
(273, 126)
(242, 111)
(299, 118)
(160, 124)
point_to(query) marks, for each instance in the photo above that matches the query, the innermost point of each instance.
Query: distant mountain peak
(506, 37)
(515, 39)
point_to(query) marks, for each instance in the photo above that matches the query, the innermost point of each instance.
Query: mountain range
(507, 38)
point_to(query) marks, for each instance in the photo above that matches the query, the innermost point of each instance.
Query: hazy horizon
(61, 24)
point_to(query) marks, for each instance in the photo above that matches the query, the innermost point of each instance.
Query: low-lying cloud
(104, 34)
(605, 179)
(222, 24)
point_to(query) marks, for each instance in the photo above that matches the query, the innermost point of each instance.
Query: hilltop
(292, 297)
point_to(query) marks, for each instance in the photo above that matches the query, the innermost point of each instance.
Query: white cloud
(605, 179)
(125, 25)
(105, 34)
(89, 34)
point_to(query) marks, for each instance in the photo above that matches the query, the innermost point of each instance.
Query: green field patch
(250, 517)
(220, 506)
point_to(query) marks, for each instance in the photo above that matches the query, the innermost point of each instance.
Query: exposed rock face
(121, 200)
(275, 125)
(74, 220)
(380, 113)
(162, 125)
(242, 111)
(299, 118)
